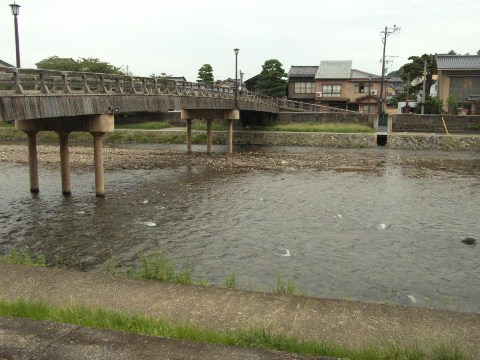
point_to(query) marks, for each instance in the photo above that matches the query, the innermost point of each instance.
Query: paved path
(346, 323)
(41, 340)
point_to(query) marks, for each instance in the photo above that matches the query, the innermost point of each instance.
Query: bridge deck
(38, 94)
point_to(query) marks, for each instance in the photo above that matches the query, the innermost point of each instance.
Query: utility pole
(424, 84)
(387, 32)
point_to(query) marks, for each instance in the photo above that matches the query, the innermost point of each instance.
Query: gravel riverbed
(419, 163)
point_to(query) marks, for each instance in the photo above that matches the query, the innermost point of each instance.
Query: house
(177, 78)
(394, 86)
(251, 84)
(4, 64)
(340, 86)
(301, 83)
(459, 78)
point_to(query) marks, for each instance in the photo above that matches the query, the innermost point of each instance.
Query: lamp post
(15, 11)
(236, 78)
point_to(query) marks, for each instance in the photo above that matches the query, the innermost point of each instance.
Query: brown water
(382, 236)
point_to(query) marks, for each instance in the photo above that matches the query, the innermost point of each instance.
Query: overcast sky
(177, 37)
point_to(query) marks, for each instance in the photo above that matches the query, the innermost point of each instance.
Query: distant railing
(14, 81)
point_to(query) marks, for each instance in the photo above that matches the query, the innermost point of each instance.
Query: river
(390, 234)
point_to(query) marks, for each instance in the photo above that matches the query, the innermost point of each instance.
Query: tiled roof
(5, 64)
(357, 75)
(458, 62)
(302, 71)
(334, 70)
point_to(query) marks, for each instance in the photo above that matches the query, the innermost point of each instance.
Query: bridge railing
(51, 82)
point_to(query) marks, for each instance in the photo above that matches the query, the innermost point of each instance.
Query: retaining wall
(434, 123)
(342, 118)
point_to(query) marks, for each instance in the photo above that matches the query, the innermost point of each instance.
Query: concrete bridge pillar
(65, 163)
(189, 136)
(97, 125)
(209, 115)
(33, 161)
(98, 163)
(209, 136)
(229, 137)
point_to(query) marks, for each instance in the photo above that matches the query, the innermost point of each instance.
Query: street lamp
(15, 11)
(236, 50)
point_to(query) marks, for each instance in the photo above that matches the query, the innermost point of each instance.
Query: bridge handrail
(38, 81)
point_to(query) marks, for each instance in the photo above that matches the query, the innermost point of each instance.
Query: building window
(304, 88)
(330, 91)
(363, 88)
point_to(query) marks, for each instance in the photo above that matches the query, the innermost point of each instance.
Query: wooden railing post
(86, 88)
(17, 85)
(66, 86)
(119, 85)
(144, 86)
(101, 85)
(43, 85)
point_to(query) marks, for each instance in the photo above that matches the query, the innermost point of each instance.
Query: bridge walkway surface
(348, 324)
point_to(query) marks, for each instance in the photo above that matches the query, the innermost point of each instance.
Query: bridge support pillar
(209, 115)
(98, 162)
(189, 136)
(65, 163)
(229, 137)
(33, 161)
(97, 125)
(209, 136)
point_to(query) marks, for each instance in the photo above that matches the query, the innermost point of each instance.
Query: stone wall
(434, 123)
(342, 118)
(434, 142)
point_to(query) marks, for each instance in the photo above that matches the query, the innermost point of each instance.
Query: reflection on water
(381, 236)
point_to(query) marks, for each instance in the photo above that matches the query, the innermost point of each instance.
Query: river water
(378, 236)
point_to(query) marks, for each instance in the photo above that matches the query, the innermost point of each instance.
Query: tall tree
(205, 74)
(271, 81)
(82, 64)
(414, 70)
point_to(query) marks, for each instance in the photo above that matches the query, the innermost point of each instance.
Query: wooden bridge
(42, 100)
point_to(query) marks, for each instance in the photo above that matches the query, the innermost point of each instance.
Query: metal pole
(17, 43)
(424, 83)
(380, 109)
(385, 33)
(236, 81)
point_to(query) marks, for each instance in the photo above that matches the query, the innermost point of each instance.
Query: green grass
(253, 338)
(230, 282)
(156, 267)
(21, 257)
(285, 287)
(319, 127)
(4, 124)
(215, 126)
(149, 125)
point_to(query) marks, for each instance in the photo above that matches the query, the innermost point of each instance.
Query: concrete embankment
(348, 324)
(412, 141)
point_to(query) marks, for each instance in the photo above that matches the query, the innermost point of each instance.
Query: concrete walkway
(41, 340)
(345, 323)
